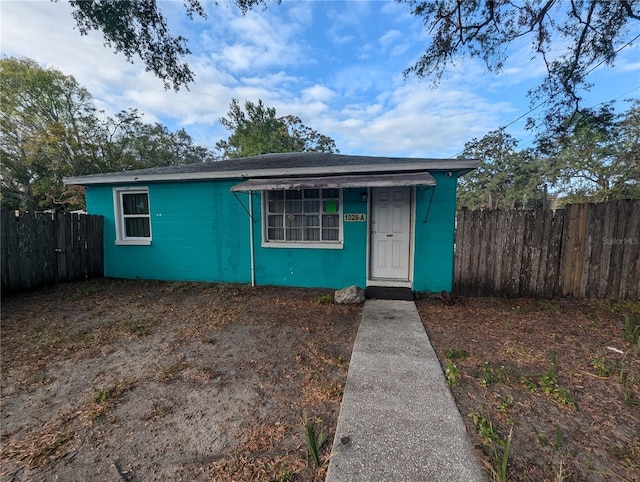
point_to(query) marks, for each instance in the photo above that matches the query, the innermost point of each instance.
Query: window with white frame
(303, 216)
(133, 218)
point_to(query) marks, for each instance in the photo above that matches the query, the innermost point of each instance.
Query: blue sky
(336, 64)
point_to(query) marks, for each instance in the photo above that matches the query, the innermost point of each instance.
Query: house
(295, 219)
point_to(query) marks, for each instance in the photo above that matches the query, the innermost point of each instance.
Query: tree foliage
(138, 27)
(50, 129)
(255, 130)
(593, 30)
(507, 178)
(596, 161)
(600, 158)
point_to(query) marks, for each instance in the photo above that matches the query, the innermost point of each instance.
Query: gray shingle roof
(286, 164)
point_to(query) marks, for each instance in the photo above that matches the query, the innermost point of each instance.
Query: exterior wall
(316, 267)
(433, 250)
(200, 232)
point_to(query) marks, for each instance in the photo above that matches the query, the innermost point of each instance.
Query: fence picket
(589, 250)
(41, 249)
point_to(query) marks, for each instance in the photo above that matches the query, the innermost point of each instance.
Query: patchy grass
(561, 377)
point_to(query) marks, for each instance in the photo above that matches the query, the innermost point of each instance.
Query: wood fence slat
(594, 269)
(589, 250)
(474, 264)
(516, 267)
(42, 249)
(494, 239)
(544, 228)
(630, 283)
(462, 254)
(608, 230)
(587, 247)
(618, 248)
(579, 249)
(552, 284)
(484, 252)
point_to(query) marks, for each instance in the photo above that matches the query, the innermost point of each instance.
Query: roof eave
(458, 165)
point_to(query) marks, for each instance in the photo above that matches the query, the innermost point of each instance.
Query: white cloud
(354, 92)
(317, 93)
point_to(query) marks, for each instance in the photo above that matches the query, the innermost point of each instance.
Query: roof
(292, 164)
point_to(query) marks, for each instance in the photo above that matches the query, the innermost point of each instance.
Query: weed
(341, 360)
(615, 307)
(452, 374)
(549, 306)
(314, 442)
(601, 367)
(452, 354)
(631, 328)
(529, 385)
(520, 309)
(325, 299)
(505, 404)
(627, 391)
(559, 435)
(286, 476)
(549, 384)
(492, 375)
(484, 428)
(627, 380)
(490, 437)
(500, 471)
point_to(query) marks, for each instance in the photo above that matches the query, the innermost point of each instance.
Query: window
(133, 219)
(304, 216)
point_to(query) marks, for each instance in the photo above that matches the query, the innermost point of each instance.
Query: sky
(338, 65)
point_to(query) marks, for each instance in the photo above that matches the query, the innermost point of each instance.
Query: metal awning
(422, 178)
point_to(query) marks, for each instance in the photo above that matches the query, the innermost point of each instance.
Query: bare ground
(138, 380)
(562, 376)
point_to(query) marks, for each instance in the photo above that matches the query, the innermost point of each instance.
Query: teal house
(295, 219)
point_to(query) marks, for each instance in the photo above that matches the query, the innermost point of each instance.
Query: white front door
(390, 233)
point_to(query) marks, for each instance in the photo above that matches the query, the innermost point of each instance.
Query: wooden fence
(584, 251)
(41, 249)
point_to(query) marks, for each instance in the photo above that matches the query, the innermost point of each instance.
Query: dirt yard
(137, 381)
(562, 376)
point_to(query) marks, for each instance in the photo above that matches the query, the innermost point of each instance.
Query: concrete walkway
(398, 420)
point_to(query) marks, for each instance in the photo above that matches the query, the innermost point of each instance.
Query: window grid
(134, 218)
(305, 215)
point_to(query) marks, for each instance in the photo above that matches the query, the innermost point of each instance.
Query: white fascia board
(438, 165)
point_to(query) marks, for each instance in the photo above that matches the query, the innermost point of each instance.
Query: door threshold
(391, 283)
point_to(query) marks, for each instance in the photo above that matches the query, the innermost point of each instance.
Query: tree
(50, 129)
(256, 130)
(594, 30)
(44, 121)
(598, 160)
(507, 178)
